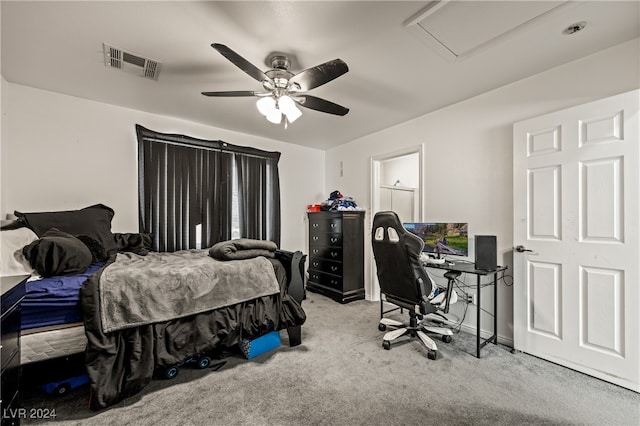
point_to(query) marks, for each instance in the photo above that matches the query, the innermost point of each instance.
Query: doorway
(396, 184)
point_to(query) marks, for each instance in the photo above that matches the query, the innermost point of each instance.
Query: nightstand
(13, 290)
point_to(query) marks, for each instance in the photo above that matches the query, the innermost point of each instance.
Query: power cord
(507, 279)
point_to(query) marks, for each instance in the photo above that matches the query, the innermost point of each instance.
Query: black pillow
(138, 243)
(93, 221)
(58, 253)
(97, 250)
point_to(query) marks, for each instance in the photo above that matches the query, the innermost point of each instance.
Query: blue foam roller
(260, 345)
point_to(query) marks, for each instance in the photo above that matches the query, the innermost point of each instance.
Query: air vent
(115, 57)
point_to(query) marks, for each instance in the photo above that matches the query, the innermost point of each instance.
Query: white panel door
(576, 217)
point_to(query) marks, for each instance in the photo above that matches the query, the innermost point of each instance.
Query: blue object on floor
(63, 386)
(260, 345)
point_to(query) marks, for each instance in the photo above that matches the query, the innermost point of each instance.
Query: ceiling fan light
(286, 104)
(266, 105)
(275, 116)
(289, 108)
(293, 114)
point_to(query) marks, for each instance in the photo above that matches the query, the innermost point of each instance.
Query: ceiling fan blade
(242, 63)
(319, 75)
(322, 105)
(231, 93)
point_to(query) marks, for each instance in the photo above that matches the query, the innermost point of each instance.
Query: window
(194, 193)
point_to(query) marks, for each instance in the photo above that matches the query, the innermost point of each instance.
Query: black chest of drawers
(336, 254)
(13, 289)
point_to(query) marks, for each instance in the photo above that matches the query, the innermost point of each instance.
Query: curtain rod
(214, 145)
(269, 155)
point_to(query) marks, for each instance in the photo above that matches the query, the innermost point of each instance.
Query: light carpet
(340, 375)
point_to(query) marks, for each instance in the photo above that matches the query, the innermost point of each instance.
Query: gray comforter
(137, 290)
(242, 248)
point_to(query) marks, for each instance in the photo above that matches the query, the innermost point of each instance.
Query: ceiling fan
(283, 90)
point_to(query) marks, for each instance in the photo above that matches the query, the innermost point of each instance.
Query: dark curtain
(259, 197)
(185, 182)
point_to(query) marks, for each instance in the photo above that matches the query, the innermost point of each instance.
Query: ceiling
(405, 59)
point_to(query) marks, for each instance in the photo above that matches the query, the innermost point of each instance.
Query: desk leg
(495, 308)
(478, 310)
(494, 337)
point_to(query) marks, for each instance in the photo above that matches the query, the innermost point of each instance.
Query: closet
(399, 199)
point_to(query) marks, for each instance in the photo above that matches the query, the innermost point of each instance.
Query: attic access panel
(460, 29)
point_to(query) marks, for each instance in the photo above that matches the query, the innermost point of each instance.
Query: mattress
(52, 324)
(51, 342)
(54, 300)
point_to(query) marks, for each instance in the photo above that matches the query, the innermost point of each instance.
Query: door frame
(373, 291)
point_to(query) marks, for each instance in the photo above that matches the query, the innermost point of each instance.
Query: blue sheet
(34, 318)
(54, 300)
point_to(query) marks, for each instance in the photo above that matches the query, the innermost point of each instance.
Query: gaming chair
(403, 282)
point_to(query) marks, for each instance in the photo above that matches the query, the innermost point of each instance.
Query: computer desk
(470, 268)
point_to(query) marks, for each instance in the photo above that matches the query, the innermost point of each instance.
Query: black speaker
(486, 248)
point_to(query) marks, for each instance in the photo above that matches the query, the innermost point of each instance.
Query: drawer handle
(333, 225)
(334, 239)
(316, 238)
(315, 263)
(334, 268)
(334, 254)
(315, 225)
(334, 281)
(316, 251)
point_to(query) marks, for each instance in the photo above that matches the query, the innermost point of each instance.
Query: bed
(133, 311)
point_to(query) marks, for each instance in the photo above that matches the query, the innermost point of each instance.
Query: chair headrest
(389, 220)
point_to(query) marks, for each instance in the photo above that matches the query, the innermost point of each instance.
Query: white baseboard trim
(486, 334)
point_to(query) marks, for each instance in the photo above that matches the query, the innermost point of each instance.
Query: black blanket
(122, 363)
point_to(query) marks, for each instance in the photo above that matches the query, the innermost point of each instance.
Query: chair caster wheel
(431, 355)
(382, 327)
(446, 338)
(386, 344)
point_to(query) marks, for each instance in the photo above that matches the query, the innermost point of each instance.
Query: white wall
(474, 185)
(3, 127)
(62, 152)
(3, 85)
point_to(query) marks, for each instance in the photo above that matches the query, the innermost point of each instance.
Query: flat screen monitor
(441, 238)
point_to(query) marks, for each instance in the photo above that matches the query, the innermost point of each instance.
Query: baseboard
(486, 334)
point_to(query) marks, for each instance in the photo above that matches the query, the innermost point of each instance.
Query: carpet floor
(340, 375)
